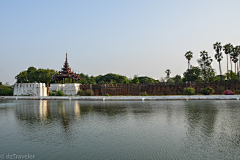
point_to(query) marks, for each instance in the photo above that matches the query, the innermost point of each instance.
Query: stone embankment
(124, 98)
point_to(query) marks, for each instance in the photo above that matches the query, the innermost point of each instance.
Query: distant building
(65, 76)
(66, 73)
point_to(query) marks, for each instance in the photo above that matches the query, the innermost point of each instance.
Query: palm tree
(168, 73)
(189, 55)
(204, 56)
(218, 56)
(227, 50)
(238, 52)
(234, 55)
(231, 52)
(235, 60)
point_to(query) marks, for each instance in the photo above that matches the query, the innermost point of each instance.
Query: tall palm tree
(227, 50)
(231, 60)
(235, 60)
(204, 56)
(218, 56)
(168, 73)
(234, 55)
(238, 52)
(231, 57)
(189, 55)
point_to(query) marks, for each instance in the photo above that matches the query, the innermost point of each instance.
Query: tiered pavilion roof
(66, 73)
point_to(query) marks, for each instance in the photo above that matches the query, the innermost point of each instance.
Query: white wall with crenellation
(34, 89)
(68, 88)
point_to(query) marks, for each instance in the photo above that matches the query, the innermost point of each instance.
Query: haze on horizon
(129, 38)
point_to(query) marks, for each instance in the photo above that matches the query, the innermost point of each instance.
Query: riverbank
(124, 98)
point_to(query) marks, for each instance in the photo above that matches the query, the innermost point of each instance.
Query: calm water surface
(120, 130)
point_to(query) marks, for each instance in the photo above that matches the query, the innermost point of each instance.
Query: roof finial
(66, 56)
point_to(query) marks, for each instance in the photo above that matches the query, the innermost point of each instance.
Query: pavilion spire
(66, 56)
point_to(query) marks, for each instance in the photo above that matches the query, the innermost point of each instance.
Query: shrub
(51, 94)
(228, 92)
(6, 90)
(107, 94)
(221, 89)
(237, 92)
(178, 92)
(85, 93)
(89, 92)
(56, 93)
(144, 94)
(60, 93)
(81, 92)
(189, 91)
(207, 91)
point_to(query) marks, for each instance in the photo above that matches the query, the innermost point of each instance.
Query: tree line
(32, 75)
(6, 90)
(203, 72)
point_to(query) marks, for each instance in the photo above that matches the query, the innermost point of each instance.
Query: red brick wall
(157, 88)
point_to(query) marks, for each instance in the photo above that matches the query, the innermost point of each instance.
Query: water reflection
(201, 116)
(166, 129)
(211, 129)
(43, 110)
(77, 110)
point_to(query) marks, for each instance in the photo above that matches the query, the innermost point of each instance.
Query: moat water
(120, 130)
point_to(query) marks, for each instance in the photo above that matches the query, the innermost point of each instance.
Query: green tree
(231, 75)
(6, 90)
(135, 79)
(205, 64)
(145, 79)
(195, 74)
(32, 75)
(177, 78)
(92, 80)
(115, 78)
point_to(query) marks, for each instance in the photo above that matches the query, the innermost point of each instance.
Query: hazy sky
(127, 37)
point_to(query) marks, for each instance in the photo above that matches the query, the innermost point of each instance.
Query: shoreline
(124, 98)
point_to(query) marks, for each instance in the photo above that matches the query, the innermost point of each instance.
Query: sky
(126, 37)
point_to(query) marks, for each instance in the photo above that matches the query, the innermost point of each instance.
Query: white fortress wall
(68, 88)
(34, 89)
